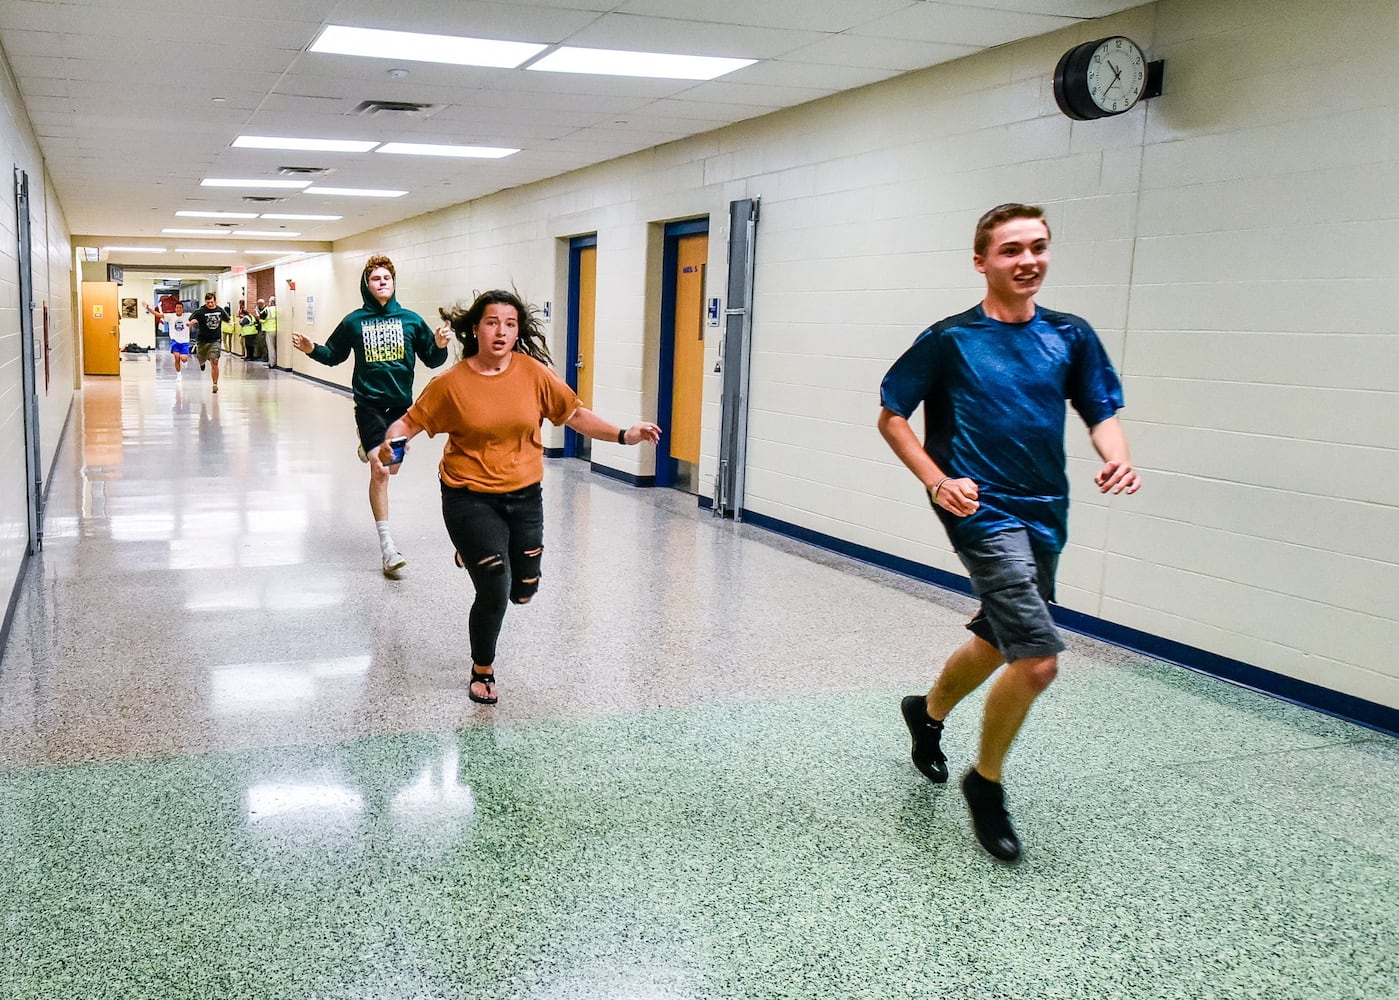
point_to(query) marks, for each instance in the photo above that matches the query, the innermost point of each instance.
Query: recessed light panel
(199, 250)
(307, 145)
(618, 62)
(428, 149)
(135, 249)
(355, 192)
(451, 49)
(251, 182)
(196, 232)
(302, 218)
(260, 233)
(217, 215)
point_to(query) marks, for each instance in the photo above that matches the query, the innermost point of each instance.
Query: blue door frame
(575, 248)
(666, 471)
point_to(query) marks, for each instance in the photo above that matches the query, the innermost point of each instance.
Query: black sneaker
(987, 802)
(927, 754)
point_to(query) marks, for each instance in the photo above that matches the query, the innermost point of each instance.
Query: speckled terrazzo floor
(237, 762)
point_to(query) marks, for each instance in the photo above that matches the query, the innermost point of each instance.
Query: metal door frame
(735, 360)
(666, 470)
(571, 438)
(34, 479)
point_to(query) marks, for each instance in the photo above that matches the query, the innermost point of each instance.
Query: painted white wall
(55, 349)
(140, 330)
(1228, 240)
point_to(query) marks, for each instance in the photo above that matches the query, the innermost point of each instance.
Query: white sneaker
(359, 450)
(394, 564)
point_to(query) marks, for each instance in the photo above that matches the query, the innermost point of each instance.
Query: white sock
(386, 544)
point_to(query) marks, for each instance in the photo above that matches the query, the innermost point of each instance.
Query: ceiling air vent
(395, 109)
(262, 199)
(305, 171)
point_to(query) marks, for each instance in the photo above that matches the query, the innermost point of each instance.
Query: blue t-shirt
(993, 403)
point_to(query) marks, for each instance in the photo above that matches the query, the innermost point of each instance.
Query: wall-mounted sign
(310, 310)
(97, 311)
(712, 313)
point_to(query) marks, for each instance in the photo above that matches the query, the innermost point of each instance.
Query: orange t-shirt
(492, 422)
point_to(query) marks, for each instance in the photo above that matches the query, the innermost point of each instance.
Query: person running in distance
(177, 328)
(208, 324)
(491, 405)
(385, 339)
(992, 383)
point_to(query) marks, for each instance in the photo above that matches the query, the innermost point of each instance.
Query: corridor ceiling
(134, 102)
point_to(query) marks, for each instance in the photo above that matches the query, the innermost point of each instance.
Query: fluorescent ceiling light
(428, 149)
(229, 182)
(267, 253)
(199, 250)
(303, 218)
(354, 192)
(196, 232)
(618, 62)
(307, 145)
(261, 233)
(135, 249)
(454, 49)
(218, 215)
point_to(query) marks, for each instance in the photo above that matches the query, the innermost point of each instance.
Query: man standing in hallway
(208, 324)
(992, 383)
(385, 338)
(267, 316)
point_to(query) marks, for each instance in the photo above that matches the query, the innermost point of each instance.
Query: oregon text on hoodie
(384, 338)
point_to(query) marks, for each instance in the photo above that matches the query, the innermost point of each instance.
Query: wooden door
(101, 329)
(687, 387)
(587, 313)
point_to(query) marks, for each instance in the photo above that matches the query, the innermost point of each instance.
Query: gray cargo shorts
(1015, 582)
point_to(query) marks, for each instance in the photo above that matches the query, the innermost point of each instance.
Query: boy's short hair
(987, 224)
(379, 260)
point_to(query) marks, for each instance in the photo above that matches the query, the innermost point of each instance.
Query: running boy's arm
(1117, 474)
(431, 345)
(335, 350)
(956, 496)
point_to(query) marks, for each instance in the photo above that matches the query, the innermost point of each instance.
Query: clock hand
(1116, 78)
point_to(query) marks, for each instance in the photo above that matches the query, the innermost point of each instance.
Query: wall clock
(1101, 78)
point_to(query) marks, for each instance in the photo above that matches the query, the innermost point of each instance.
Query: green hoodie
(384, 339)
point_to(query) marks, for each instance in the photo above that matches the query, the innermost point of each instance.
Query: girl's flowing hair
(531, 334)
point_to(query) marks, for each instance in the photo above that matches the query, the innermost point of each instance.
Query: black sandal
(488, 680)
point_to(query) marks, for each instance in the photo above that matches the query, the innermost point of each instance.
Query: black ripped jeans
(500, 537)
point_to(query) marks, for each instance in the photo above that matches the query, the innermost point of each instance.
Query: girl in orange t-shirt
(491, 405)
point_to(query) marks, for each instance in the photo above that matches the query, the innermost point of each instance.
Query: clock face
(1116, 75)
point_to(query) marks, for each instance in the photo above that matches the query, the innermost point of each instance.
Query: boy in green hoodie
(385, 338)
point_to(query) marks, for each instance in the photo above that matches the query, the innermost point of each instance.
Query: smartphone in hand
(397, 445)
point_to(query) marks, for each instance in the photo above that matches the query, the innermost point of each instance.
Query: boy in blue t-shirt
(992, 383)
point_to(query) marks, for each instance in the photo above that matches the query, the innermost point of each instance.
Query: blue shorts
(178, 348)
(1015, 582)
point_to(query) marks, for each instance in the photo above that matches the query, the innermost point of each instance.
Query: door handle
(579, 362)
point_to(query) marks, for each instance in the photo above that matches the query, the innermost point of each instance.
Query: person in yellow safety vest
(267, 314)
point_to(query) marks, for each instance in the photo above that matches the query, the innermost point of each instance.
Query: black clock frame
(1071, 82)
